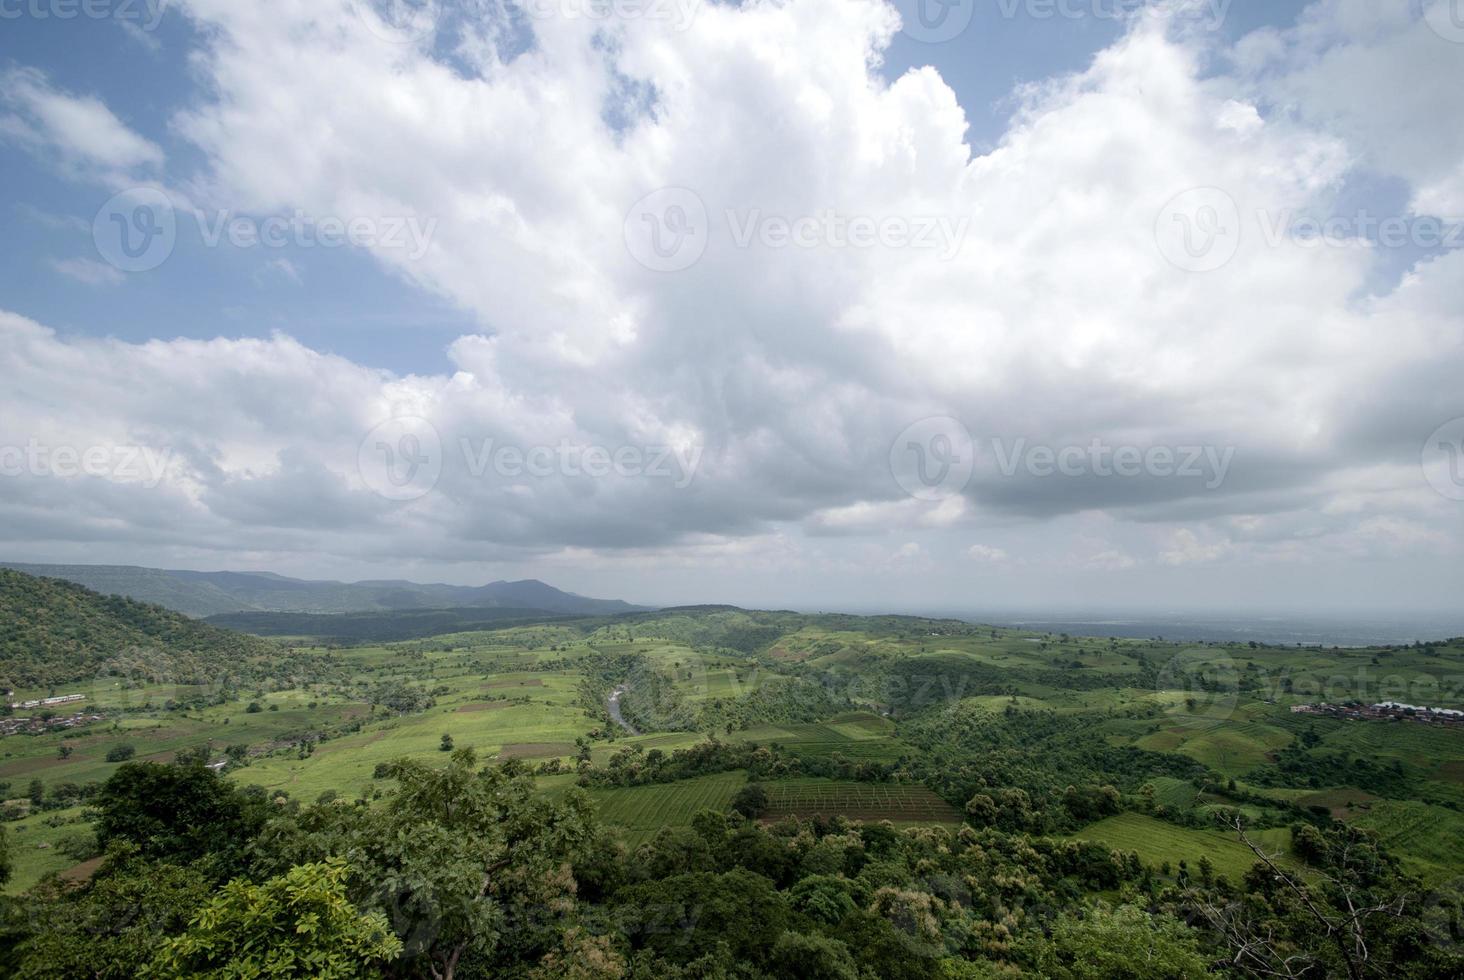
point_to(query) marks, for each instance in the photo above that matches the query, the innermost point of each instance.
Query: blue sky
(1091, 235)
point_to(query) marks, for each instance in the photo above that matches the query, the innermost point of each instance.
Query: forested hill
(215, 593)
(55, 632)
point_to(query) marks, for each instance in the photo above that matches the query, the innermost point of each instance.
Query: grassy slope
(1156, 841)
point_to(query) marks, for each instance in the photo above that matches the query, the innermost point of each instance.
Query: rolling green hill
(55, 632)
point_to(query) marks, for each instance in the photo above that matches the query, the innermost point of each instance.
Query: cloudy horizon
(835, 304)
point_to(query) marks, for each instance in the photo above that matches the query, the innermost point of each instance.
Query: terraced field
(857, 735)
(899, 803)
(642, 810)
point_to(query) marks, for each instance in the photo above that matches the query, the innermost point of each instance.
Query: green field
(642, 810)
(1156, 842)
(826, 798)
(1430, 838)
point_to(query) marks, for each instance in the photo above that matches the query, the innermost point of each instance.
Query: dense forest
(464, 870)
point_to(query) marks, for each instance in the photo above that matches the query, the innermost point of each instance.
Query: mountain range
(214, 593)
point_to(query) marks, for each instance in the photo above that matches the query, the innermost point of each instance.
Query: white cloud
(88, 271)
(80, 129)
(1184, 547)
(986, 553)
(275, 270)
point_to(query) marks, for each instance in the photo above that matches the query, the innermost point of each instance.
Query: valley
(869, 719)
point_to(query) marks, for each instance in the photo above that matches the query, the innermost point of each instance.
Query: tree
(177, 813)
(5, 864)
(823, 898)
(467, 863)
(120, 753)
(751, 801)
(688, 916)
(982, 810)
(581, 956)
(64, 752)
(1124, 943)
(109, 927)
(813, 957)
(297, 925)
(446, 745)
(1338, 920)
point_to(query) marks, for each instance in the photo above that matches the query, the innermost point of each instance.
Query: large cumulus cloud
(788, 372)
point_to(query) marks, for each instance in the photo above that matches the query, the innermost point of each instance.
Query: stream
(614, 705)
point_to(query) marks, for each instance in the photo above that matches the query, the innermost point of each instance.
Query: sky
(817, 304)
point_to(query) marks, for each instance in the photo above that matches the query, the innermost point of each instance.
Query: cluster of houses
(1384, 711)
(35, 724)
